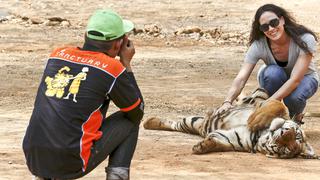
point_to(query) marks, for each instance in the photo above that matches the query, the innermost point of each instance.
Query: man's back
(62, 125)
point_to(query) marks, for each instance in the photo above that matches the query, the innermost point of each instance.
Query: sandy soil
(187, 53)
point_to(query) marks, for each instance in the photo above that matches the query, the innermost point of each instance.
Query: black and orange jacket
(71, 103)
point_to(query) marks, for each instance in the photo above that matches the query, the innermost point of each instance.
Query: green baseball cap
(107, 25)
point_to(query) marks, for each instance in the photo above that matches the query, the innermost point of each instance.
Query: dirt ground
(187, 53)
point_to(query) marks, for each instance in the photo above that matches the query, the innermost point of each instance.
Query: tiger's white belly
(235, 119)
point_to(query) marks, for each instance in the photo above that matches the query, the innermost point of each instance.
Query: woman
(287, 49)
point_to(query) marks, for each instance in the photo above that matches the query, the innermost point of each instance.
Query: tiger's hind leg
(190, 125)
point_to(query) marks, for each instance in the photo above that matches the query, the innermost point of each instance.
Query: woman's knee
(295, 104)
(275, 73)
(295, 99)
(271, 78)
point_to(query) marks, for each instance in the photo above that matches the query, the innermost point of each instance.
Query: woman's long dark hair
(293, 29)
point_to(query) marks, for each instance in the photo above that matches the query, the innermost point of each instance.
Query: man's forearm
(134, 82)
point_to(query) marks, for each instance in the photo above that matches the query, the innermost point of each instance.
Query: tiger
(253, 125)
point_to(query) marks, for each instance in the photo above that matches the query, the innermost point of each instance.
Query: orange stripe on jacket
(90, 133)
(131, 107)
(95, 59)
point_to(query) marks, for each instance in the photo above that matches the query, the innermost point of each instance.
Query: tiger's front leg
(236, 139)
(211, 144)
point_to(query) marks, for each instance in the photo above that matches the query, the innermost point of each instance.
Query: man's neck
(90, 47)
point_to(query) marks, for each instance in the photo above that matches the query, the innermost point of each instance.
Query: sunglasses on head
(273, 23)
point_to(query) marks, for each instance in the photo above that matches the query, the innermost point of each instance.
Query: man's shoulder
(94, 59)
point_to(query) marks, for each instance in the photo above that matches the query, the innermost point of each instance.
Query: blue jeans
(272, 77)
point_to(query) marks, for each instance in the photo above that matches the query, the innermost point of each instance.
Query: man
(68, 134)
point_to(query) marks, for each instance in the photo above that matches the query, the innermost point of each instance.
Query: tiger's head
(285, 139)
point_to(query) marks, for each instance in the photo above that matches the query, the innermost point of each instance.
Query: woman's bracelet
(226, 102)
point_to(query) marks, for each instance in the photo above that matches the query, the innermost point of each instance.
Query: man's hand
(126, 53)
(224, 107)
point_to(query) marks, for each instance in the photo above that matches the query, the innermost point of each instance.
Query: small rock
(59, 19)
(152, 29)
(36, 21)
(65, 24)
(225, 36)
(25, 18)
(51, 23)
(188, 30)
(15, 21)
(137, 31)
(3, 19)
(195, 36)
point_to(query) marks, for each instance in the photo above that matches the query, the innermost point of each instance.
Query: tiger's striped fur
(229, 131)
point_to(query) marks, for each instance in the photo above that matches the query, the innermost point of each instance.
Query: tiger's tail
(189, 125)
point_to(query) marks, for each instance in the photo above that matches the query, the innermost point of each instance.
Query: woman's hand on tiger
(224, 107)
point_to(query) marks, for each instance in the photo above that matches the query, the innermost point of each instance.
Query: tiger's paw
(204, 146)
(309, 156)
(152, 123)
(262, 117)
(155, 123)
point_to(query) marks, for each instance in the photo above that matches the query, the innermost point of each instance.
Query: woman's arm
(236, 87)
(239, 82)
(297, 74)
